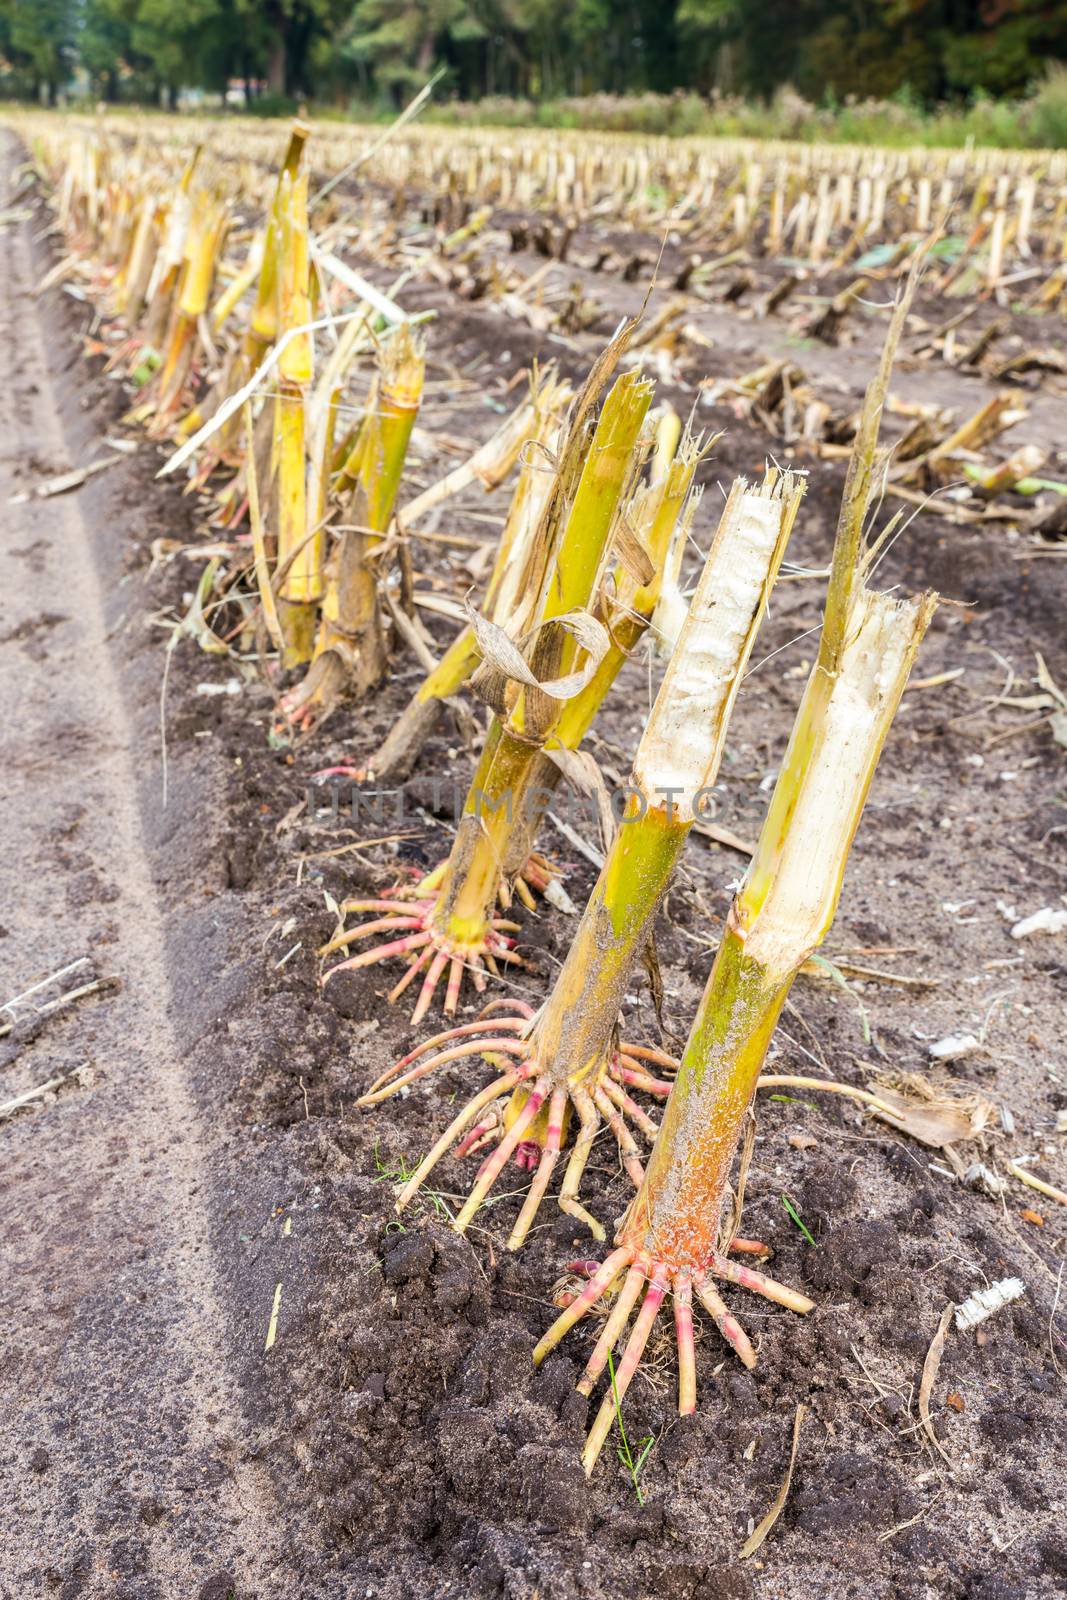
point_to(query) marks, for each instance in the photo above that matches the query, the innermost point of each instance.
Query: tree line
(378, 50)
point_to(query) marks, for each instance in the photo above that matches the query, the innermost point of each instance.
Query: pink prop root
(429, 952)
(636, 1273)
(603, 1103)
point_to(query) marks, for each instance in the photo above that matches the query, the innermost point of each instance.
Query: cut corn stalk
(537, 439)
(300, 539)
(456, 927)
(672, 1238)
(568, 1061)
(351, 648)
(203, 242)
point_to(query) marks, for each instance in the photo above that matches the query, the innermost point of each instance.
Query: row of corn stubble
(243, 342)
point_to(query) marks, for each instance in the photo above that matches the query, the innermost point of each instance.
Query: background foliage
(846, 68)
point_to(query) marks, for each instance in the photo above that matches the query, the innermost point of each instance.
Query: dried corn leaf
(931, 1367)
(913, 1105)
(757, 1536)
(503, 662)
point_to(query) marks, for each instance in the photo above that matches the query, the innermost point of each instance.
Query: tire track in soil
(120, 1416)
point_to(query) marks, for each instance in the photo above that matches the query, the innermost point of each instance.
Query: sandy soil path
(120, 1426)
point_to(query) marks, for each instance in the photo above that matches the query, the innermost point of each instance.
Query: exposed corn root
(308, 703)
(531, 1128)
(538, 874)
(429, 952)
(636, 1273)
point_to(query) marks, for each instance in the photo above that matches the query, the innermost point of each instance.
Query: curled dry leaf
(913, 1105)
(504, 663)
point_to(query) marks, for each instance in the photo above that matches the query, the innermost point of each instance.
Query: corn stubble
(569, 1064)
(215, 346)
(559, 645)
(588, 561)
(566, 1065)
(672, 1240)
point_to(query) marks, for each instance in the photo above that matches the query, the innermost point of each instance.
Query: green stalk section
(571, 1035)
(385, 447)
(473, 873)
(608, 468)
(575, 1028)
(770, 936)
(676, 1212)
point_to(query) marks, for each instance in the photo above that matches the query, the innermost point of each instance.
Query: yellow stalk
(500, 788)
(139, 264)
(668, 438)
(201, 258)
(303, 581)
(301, 534)
(263, 327)
(675, 767)
(294, 305)
(259, 541)
(239, 286)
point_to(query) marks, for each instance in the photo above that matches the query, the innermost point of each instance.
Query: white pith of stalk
(668, 619)
(873, 670)
(682, 743)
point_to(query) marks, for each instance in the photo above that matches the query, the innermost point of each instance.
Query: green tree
(829, 50)
(401, 39)
(104, 44)
(40, 41)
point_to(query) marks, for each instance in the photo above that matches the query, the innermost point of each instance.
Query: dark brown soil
(395, 1441)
